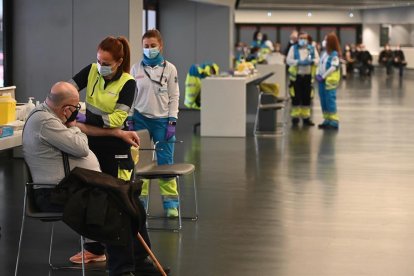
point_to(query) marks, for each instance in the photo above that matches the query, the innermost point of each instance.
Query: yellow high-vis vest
(102, 101)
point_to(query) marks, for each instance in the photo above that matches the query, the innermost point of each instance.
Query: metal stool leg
(50, 246)
(195, 202)
(179, 204)
(82, 241)
(21, 234)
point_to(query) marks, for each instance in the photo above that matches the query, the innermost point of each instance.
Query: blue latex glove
(304, 62)
(130, 123)
(81, 118)
(319, 78)
(170, 131)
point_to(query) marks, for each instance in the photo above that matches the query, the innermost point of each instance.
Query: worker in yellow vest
(301, 59)
(110, 93)
(328, 78)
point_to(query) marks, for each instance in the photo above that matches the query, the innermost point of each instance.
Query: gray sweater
(45, 137)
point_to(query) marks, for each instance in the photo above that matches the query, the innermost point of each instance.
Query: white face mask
(324, 44)
(151, 52)
(104, 70)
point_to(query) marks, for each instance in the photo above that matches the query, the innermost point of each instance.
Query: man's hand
(131, 137)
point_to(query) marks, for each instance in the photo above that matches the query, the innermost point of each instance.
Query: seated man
(365, 58)
(51, 129)
(399, 60)
(386, 58)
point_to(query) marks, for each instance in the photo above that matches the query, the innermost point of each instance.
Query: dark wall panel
(42, 46)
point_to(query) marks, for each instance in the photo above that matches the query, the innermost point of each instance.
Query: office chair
(31, 211)
(147, 168)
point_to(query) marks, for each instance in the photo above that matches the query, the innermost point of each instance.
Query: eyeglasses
(77, 107)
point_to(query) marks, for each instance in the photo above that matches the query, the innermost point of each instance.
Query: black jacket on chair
(100, 206)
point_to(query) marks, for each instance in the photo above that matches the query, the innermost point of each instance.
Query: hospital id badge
(162, 89)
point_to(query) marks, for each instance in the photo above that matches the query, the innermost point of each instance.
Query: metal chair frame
(28, 211)
(280, 104)
(147, 168)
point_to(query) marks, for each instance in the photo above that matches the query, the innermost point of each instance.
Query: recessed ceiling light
(351, 14)
(309, 14)
(269, 14)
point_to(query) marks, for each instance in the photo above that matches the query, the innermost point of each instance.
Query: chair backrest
(31, 210)
(146, 149)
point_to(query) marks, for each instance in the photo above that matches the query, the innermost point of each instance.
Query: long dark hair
(332, 44)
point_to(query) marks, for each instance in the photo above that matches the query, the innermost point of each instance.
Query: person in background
(276, 57)
(155, 108)
(293, 39)
(241, 52)
(365, 59)
(301, 58)
(267, 43)
(257, 40)
(328, 78)
(349, 58)
(52, 129)
(386, 58)
(109, 96)
(193, 82)
(399, 60)
(278, 48)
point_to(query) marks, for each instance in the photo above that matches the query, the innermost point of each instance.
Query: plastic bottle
(29, 107)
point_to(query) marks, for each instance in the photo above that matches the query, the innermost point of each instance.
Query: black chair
(31, 211)
(147, 168)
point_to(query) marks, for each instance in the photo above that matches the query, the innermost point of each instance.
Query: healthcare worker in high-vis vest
(110, 93)
(328, 78)
(156, 109)
(301, 59)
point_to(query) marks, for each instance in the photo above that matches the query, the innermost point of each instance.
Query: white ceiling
(321, 4)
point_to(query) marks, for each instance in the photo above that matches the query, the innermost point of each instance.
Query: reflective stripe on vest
(332, 81)
(102, 100)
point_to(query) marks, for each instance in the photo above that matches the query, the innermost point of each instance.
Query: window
(149, 15)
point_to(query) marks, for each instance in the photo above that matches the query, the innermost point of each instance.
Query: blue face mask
(104, 70)
(302, 42)
(151, 52)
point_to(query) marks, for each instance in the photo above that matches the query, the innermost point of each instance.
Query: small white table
(223, 106)
(11, 141)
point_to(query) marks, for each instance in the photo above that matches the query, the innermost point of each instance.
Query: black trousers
(303, 89)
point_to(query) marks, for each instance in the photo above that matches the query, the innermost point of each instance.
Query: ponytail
(126, 63)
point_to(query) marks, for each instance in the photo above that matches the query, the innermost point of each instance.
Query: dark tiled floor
(309, 203)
